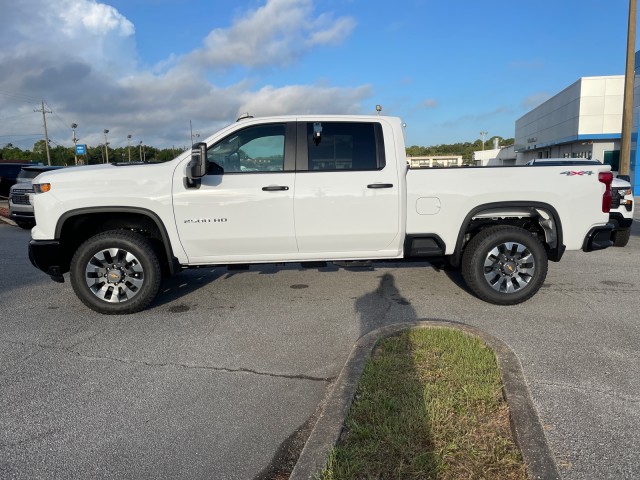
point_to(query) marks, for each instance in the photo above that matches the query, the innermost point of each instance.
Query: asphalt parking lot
(225, 367)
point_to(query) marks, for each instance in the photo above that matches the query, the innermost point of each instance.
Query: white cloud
(80, 56)
(330, 31)
(274, 34)
(94, 17)
(532, 101)
(428, 104)
(304, 100)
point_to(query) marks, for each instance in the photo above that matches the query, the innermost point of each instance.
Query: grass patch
(428, 405)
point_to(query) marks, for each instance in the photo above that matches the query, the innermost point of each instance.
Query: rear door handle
(274, 188)
(380, 185)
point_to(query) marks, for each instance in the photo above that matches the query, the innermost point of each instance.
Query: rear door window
(338, 146)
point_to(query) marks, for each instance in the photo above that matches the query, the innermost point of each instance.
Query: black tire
(621, 237)
(116, 272)
(504, 265)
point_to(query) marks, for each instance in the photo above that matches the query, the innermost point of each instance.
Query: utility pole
(627, 109)
(129, 143)
(46, 135)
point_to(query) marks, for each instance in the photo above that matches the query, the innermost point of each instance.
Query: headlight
(41, 187)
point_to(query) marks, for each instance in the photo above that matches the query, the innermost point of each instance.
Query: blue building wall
(633, 161)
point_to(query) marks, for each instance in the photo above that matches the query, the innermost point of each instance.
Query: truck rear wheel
(621, 237)
(504, 265)
(116, 272)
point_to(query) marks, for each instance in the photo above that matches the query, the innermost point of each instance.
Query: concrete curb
(8, 221)
(525, 424)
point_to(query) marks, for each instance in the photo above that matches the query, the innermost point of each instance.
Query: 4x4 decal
(571, 173)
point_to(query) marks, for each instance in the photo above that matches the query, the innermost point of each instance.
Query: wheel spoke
(114, 275)
(509, 267)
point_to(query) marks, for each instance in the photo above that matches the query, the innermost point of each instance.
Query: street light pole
(75, 141)
(106, 145)
(141, 151)
(129, 143)
(483, 133)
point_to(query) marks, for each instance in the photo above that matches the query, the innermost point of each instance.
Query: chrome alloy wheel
(114, 275)
(509, 267)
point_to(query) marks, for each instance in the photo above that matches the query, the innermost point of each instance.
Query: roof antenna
(378, 109)
(244, 116)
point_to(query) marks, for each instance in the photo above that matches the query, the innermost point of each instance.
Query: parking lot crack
(202, 367)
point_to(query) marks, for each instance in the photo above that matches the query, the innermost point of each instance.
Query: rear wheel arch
(539, 217)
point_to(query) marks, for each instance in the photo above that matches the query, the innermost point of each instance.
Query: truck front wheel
(504, 265)
(116, 272)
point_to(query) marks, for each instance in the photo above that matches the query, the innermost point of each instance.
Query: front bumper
(47, 255)
(619, 221)
(22, 217)
(598, 238)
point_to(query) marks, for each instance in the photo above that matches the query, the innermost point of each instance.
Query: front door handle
(274, 188)
(380, 185)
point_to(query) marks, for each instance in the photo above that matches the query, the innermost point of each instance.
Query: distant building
(582, 121)
(495, 157)
(435, 161)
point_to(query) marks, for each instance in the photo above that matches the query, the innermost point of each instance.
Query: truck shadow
(384, 306)
(181, 285)
(191, 280)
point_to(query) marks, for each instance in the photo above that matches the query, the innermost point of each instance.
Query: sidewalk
(4, 212)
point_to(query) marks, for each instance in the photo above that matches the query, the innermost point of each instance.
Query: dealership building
(582, 121)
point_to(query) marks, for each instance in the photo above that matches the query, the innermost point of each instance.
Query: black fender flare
(555, 252)
(174, 264)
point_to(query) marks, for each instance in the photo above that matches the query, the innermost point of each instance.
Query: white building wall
(554, 119)
(584, 120)
(601, 103)
(495, 157)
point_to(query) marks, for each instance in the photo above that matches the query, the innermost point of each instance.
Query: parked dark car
(8, 174)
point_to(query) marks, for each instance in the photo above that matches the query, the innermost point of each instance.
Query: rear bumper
(598, 238)
(47, 256)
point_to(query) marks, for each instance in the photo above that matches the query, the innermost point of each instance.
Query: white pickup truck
(310, 189)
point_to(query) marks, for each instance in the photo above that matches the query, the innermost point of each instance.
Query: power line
(21, 135)
(19, 96)
(58, 117)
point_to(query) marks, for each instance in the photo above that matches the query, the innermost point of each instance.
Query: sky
(159, 70)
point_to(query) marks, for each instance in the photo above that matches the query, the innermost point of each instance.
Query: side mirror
(197, 166)
(317, 133)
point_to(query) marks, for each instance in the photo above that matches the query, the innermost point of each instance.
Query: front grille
(615, 198)
(20, 196)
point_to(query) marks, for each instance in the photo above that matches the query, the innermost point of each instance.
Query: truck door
(346, 195)
(244, 206)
